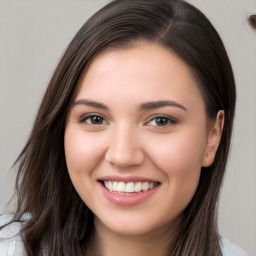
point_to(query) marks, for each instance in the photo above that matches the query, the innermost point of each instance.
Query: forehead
(141, 71)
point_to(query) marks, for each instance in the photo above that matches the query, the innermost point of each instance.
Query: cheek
(82, 152)
(179, 152)
(179, 157)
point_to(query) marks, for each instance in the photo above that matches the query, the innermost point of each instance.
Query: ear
(213, 141)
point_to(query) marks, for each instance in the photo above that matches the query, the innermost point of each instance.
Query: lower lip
(127, 200)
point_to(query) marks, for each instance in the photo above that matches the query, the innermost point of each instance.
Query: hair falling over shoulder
(61, 222)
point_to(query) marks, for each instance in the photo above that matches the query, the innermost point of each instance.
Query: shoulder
(10, 239)
(231, 249)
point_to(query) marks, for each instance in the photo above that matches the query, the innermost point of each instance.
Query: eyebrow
(144, 106)
(90, 103)
(159, 104)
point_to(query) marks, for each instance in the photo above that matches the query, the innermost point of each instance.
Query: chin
(136, 225)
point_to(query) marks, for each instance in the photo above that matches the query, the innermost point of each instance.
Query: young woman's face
(135, 139)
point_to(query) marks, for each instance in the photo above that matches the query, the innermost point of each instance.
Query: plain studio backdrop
(33, 35)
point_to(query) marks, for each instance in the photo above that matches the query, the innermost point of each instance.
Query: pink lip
(127, 200)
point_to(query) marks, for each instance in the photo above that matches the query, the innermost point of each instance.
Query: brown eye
(162, 121)
(93, 120)
(96, 120)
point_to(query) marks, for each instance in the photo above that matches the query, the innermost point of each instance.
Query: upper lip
(126, 179)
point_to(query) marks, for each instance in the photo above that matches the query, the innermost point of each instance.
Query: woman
(129, 147)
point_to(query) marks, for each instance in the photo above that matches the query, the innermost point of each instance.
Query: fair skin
(138, 118)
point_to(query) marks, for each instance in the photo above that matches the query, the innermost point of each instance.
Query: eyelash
(84, 119)
(167, 120)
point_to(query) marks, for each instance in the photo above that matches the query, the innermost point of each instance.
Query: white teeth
(121, 187)
(145, 186)
(130, 187)
(108, 185)
(137, 187)
(114, 186)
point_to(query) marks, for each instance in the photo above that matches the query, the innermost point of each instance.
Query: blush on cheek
(179, 158)
(82, 153)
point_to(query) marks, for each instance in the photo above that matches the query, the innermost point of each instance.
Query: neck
(109, 243)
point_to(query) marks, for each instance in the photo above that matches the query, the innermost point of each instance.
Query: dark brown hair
(60, 219)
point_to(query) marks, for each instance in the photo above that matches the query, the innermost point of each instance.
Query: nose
(124, 148)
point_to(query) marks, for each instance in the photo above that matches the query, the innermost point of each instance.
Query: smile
(128, 191)
(129, 187)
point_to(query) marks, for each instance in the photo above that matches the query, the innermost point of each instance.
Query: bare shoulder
(10, 239)
(231, 249)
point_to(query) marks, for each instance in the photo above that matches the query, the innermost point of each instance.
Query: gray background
(33, 35)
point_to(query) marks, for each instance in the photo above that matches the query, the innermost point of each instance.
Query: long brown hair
(60, 219)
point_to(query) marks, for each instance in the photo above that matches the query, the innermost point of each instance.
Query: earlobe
(214, 137)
